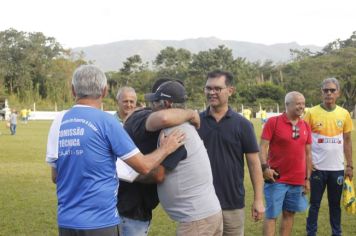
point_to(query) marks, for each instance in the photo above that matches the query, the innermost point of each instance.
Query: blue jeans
(319, 180)
(130, 227)
(13, 129)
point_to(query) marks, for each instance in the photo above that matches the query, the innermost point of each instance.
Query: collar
(228, 113)
(286, 120)
(325, 109)
(81, 105)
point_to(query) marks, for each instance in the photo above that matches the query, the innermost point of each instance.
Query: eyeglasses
(332, 90)
(295, 132)
(209, 89)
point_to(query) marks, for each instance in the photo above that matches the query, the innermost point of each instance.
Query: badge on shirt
(339, 123)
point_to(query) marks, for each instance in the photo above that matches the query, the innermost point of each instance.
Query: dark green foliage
(35, 68)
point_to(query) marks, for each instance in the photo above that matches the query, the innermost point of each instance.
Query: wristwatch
(264, 167)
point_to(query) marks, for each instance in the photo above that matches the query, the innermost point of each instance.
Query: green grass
(28, 199)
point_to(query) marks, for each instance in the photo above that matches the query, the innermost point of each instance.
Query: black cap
(158, 83)
(172, 91)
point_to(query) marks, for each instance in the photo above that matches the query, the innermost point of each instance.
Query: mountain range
(110, 56)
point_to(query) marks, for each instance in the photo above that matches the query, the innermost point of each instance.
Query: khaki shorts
(234, 221)
(210, 226)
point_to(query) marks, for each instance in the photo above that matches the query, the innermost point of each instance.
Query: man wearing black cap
(137, 200)
(187, 193)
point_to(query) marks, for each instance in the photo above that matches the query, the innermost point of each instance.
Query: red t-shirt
(286, 154)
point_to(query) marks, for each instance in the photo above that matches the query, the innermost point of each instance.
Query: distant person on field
(83, 145)
(23, 114)
(13, 122)
(247, 113)
(230, 138)
(138, 199)
(28, 114)
(331, 127)
(187, 193)
(263, 114)
(126, 102)
(285, 154)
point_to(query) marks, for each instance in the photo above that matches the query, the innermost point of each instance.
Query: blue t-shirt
(89, 142)
(226, 142)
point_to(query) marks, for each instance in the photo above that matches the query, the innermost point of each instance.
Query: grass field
(28, 198)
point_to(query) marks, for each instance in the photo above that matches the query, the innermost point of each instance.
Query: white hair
(124, 89)
(88, 81)
(289, 98)
(331, 80)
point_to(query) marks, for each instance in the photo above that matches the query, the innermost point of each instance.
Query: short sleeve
(174, 158)
(348, 127)
(52, 140)
(267, 132)
(248, 138)
(122, 145)
(307, 117)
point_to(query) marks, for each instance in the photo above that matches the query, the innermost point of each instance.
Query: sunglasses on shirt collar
(295, 132)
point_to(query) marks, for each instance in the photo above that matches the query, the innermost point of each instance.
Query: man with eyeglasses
(331, 127)
(228, 137)
(285, 154)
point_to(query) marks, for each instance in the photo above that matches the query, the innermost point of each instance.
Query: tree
(25, 59)
(171, 62)
(217, 58)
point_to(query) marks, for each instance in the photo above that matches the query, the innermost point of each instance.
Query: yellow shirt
(247, 114)
(23, 113)
(263, 114)
(328, 128)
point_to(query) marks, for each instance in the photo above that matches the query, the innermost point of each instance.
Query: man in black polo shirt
(137, 200)
(227, 137)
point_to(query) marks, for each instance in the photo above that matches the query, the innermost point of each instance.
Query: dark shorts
(108, 231)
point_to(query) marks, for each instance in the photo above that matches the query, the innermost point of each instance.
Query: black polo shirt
(226, 142)
(137, 200)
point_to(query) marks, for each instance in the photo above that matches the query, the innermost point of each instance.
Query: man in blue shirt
(228, 137)
(83, 145)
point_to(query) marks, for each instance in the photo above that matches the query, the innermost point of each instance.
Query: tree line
(36, 68)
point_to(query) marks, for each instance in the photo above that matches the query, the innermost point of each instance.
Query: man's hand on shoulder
(172, 141)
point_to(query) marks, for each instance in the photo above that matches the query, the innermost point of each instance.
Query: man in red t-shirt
(285, 154)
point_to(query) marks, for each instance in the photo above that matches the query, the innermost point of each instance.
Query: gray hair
(179, 105)
(289, 98)
(89, 81)
(124, 89)
(331, 80)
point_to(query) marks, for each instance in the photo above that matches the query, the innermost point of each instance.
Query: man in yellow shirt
(331, 127)
(247, 113)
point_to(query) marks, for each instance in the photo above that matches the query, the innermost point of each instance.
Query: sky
(79, 23)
